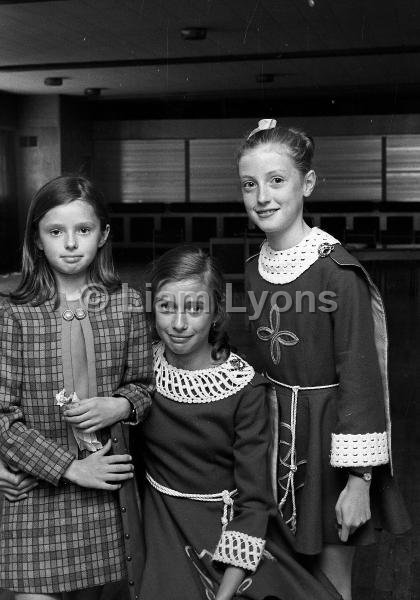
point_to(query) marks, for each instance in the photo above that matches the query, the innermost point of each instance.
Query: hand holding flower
(94, 414)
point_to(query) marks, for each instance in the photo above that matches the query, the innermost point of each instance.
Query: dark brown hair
(300, 146)
(37, 284)
(190, 262)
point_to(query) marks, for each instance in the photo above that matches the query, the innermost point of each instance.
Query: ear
(38, 244)
(104, 236)
(309, 183)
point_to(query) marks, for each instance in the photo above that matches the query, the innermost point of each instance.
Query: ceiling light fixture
(264, 78)
(53, 81)
(194, 33)
(93, 91)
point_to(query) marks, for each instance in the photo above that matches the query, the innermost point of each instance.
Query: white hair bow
(263, 124)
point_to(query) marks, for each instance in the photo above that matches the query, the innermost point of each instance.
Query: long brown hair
(37, 284)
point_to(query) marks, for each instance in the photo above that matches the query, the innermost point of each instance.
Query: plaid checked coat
(64, 537)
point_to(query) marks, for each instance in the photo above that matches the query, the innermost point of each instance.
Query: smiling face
(273, 190)
(183, 317)
(70, 235)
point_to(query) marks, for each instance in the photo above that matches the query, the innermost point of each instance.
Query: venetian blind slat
(213, 172)
(403, 168)
(348, 168)
(141, 170)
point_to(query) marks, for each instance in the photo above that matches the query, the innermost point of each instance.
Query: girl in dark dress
(318, 323)
(211, 528)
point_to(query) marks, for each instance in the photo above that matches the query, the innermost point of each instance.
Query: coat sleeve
(242, 541)
(360, 437)
(137, 383)
(21, 447)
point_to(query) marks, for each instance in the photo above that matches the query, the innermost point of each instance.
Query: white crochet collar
(204, 385)
(284, 266)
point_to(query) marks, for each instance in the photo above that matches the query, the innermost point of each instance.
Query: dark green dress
(208, 433)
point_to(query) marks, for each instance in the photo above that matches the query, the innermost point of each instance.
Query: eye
(55, 232)
(248, 185)
(164, 306)
(277, 179)
(195, 308)
(85, 230)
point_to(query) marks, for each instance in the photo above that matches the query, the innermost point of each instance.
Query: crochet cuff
(239, 549)
(359, 450)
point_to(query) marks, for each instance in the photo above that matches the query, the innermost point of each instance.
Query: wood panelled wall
(204, 170)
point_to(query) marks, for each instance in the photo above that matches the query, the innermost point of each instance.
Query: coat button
(115, 440)
(127, 536)
(129, 558)
(123, 509)
(130, 582)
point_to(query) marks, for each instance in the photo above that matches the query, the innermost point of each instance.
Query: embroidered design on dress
(276, 337)
(203, 385)
(205, 579)
(289, 461)
(208, 584)
(290, 464)
(284, 266)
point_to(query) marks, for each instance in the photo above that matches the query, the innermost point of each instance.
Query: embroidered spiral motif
(276, 337)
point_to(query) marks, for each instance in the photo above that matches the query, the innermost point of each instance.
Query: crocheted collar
(204, 385)
(284, 266)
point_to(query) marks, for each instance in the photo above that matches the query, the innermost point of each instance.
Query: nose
(179, 322)
(262, 197)
(71, 241)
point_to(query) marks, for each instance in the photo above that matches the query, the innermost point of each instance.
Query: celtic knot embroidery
(276, 337)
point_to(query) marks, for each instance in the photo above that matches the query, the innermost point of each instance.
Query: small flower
(61, 399)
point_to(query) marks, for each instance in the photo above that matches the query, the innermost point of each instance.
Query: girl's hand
(353, 506)
(99, 471)
(232, 578)
(94, 414)
(15, 485)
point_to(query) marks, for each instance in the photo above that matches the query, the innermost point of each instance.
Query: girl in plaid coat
(62, 340)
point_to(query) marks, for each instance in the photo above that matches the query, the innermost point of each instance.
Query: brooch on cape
(325, 249)
(237, 363)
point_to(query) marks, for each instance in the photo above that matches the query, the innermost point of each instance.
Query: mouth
(268, 212)
(180, 339)
(72, 259)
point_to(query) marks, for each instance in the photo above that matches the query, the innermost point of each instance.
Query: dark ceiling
(344, 55)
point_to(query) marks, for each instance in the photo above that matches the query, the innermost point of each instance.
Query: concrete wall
(76, 136)
(38, 117)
